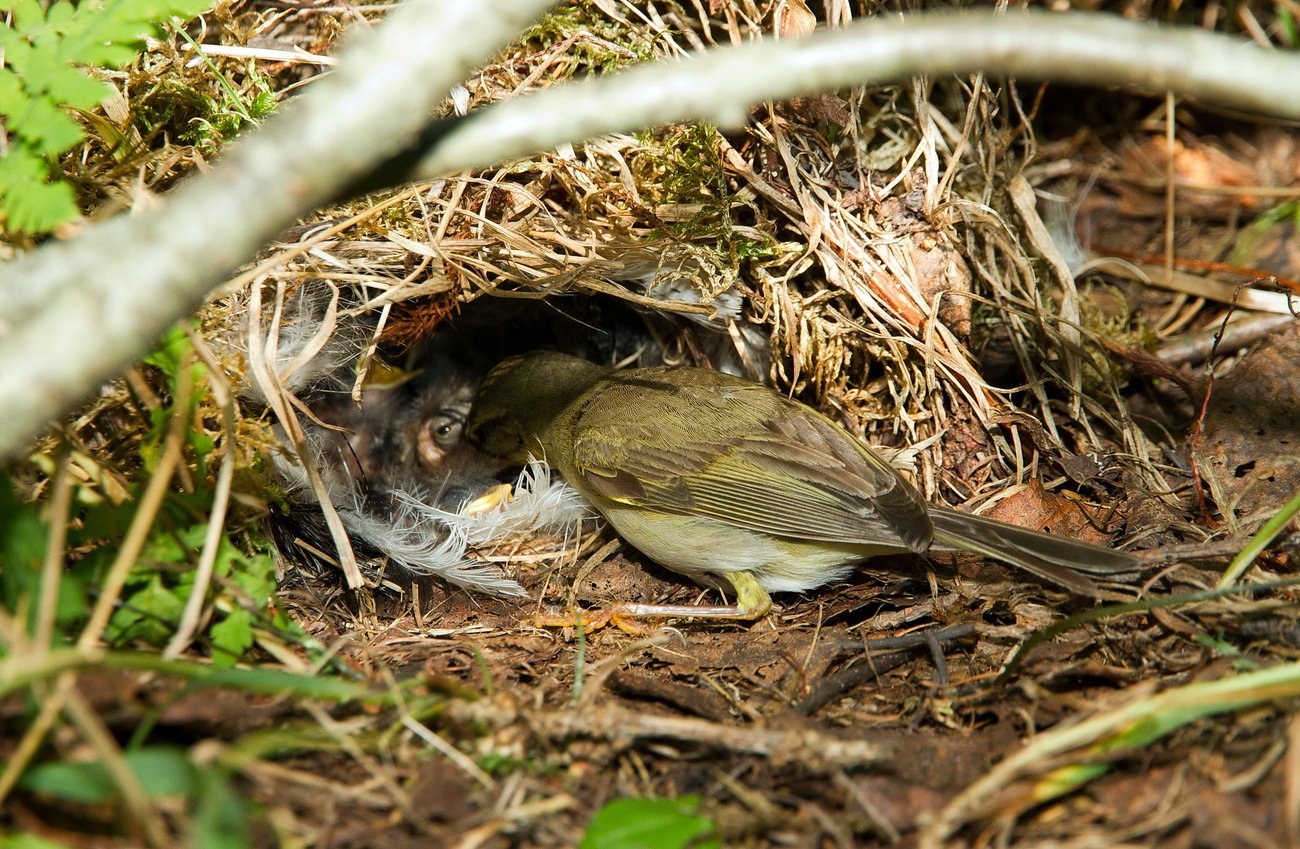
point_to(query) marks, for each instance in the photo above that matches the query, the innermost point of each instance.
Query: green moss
(681, 176)
(593, 42)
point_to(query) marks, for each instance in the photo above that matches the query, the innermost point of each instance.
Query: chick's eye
(446, 426)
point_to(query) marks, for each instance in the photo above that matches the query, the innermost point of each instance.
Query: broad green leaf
(148, 615)
(256, 576)
(108, 38)
(45, 129)
(161, 771)
(12, 95)
(232, 637)
(60, 14)
(165, 549)
(170, 352)
(44, 53)
(63, 83)
(23, 539)
(22, 533)
(17, 51)
(649, 824)
(220, 815)
(28, 15)
(22, 549)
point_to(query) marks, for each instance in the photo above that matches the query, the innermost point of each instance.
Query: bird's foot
(752, 603)
(589, 621)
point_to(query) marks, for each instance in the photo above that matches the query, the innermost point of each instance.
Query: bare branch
(1091, 49)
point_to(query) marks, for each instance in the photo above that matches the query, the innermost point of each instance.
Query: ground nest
(967, 273)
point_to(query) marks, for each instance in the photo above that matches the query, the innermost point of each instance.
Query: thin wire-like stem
(220, 387)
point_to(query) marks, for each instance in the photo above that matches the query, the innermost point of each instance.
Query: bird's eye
(446, 426)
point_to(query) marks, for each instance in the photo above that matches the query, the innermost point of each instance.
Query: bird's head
(521, 397)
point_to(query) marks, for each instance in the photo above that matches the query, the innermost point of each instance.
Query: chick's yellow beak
(495, 497)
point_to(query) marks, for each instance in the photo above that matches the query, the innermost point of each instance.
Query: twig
(55, 548)
(872, 666)
(220, 501)
(261, 364)
(263, 53)
(1145, 718)
(52, 700)
(1090, 49)
(127, 782)
(803, 745)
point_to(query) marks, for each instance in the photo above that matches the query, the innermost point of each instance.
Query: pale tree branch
(718, 87)
(75, 314)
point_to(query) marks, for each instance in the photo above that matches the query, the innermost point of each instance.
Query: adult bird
(736, 486)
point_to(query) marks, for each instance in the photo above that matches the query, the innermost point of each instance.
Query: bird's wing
(737, 453)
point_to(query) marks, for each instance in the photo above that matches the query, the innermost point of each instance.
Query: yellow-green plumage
(734, 485)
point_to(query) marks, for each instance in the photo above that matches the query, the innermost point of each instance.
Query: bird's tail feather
(1056, 559)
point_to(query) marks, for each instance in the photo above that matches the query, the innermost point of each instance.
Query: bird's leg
(752, 603)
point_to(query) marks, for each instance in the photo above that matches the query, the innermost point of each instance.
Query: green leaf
(60, 15)
(1067, 779)
(232, 637)
(202, 444)
(45, 129)
(106, 521)
(12, 95)
(18, 168)
(23, 540)
(163, 550)
(44, 53)
(148, 615)
(1217, 644)
(22, 549)
(32, 205)
(171, 352)
(28, 15)
(18, 51)
(107, 38)
(22, 533)
(162, 772)
(649, 824)
(61, 83)
(220, 815)
(256, 576)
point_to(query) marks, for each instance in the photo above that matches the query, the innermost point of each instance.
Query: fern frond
(30, 202)
(43, 79)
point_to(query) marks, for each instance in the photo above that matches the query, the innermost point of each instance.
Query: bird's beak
(490, 500)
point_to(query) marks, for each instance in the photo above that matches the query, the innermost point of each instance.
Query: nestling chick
(406, 487)
(736, 486)
(409, 493)
(407, 437)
